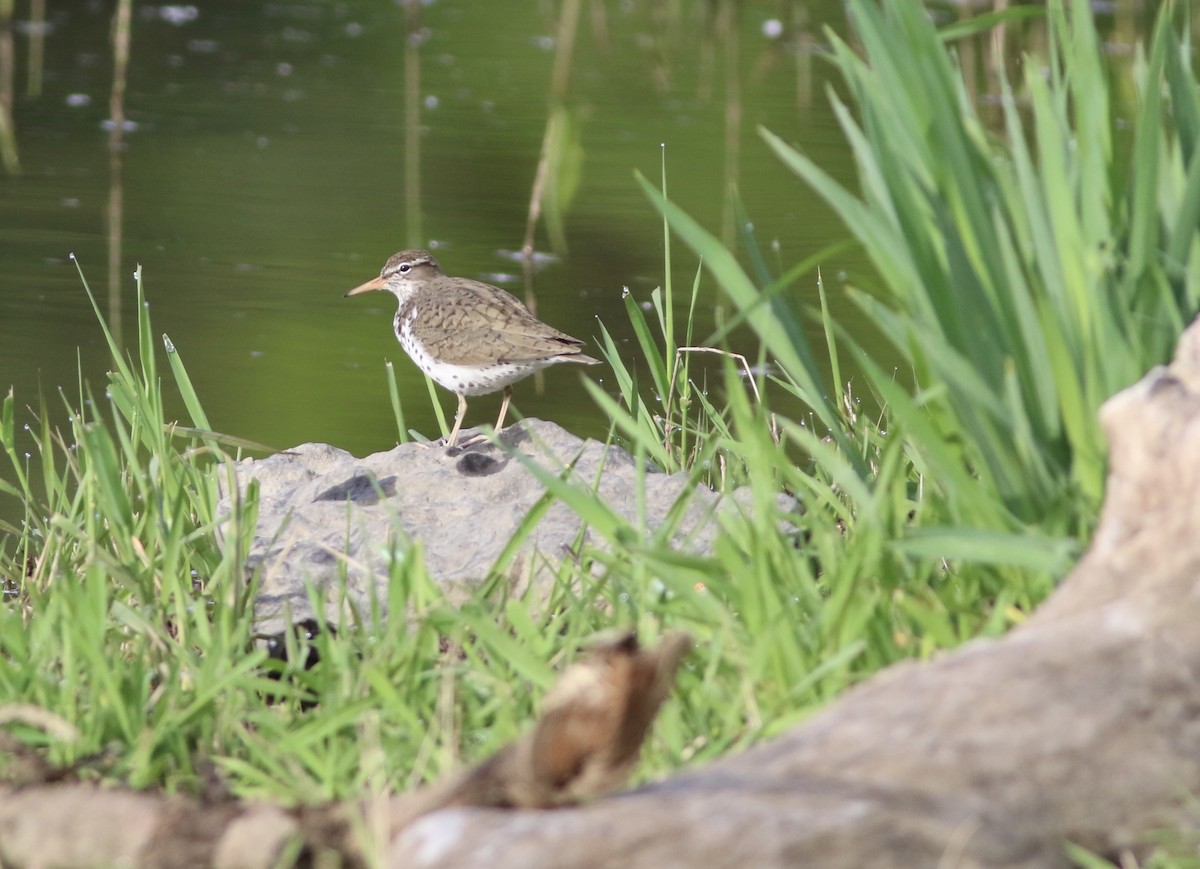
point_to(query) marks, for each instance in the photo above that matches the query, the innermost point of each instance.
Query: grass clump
(116, 555)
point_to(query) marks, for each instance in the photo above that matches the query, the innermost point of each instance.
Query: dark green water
(263, 173)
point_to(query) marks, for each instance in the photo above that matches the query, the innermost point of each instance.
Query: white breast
(461, 379)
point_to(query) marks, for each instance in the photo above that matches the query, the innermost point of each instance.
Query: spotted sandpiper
(470, 337)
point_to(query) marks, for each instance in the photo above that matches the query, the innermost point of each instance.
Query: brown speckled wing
(479, 324)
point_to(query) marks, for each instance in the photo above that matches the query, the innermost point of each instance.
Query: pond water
(275, 154)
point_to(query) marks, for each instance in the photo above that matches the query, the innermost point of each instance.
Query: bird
(472, 338)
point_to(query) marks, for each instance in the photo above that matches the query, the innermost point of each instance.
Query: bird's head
(402, 273)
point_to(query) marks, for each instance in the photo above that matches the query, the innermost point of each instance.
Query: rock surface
(324, 512)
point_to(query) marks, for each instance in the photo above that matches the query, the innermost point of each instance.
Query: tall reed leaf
(1030, 277)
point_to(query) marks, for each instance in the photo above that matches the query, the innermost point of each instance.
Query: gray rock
(324, 514)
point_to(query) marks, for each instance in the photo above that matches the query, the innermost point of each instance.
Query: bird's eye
(404, 267)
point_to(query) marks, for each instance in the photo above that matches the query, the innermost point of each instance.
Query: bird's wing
(487, 326)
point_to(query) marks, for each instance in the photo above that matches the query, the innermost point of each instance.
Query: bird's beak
(373, 284)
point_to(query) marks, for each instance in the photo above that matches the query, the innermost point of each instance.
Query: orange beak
(373, 284)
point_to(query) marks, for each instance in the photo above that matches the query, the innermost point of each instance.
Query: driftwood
(1081, 726)
(586, 742)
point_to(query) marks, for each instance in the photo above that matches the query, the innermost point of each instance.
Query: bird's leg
(458, 418)
(503, 408)
(481, 438)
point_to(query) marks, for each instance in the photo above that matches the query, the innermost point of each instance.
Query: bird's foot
(478, 439)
